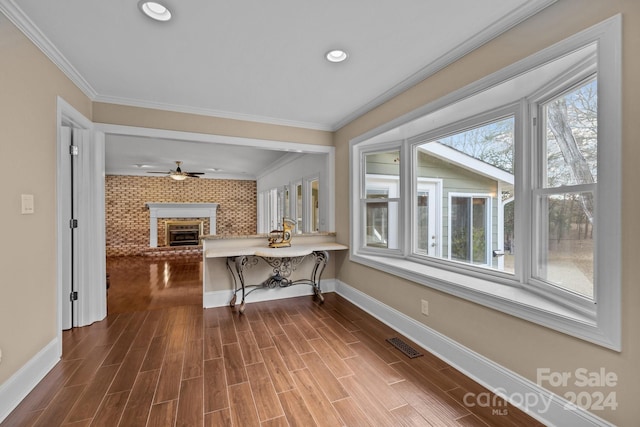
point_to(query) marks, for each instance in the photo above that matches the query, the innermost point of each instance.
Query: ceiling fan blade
(165, 173)
(195, 173)
(189, 174)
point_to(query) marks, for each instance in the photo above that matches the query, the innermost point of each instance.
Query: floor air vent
(404, 347)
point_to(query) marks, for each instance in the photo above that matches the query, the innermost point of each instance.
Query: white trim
(488, 373)
(265, 144)
(92, 302)
(33, 33)
(18, 17)
(20, 384)
(15, 14)
(209, 112)
(221, 298)
(179, 210)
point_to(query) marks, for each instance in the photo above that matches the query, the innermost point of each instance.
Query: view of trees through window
(566, 255)
(492, 143)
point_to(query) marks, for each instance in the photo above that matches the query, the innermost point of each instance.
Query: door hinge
(535, 121)
(73, 296)
(73, 150)
(73, 223)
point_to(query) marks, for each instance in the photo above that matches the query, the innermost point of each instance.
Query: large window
(380, 199)
(565, 194)
(467, 214)
(500, 193)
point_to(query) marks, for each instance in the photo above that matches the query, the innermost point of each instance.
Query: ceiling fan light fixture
(336, 55)
(155, 10)
(178, 177)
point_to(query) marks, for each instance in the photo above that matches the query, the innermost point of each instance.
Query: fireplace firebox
(183, 233)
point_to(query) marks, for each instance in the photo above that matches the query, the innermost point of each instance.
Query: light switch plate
(27, 204)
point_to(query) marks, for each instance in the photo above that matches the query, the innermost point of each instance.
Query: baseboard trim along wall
(547, 407)
(20, 384)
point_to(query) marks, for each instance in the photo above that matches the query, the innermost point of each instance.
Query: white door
(82, 240)
(68, 238)
(428, 241)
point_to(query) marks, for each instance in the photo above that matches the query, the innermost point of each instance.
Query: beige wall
(514, 343)
(29, 86)
(158, 119)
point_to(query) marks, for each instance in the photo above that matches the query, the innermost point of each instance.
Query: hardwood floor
(142, 283)
(290, 362)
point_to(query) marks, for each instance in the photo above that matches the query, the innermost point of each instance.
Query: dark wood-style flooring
(290, 362)
(140, 283)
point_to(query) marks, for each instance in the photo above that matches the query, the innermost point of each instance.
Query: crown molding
(24, 23)
(33, 33)
(489, 33)
(211, 112)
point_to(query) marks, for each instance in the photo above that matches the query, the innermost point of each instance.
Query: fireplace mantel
(179, 210)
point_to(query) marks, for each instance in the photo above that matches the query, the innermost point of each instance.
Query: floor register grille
(405, 348)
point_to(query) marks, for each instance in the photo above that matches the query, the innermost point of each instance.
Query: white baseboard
(547, 407)
(20, 384)
(222, 298)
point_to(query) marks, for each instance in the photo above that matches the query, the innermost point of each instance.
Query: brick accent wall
(127, 217)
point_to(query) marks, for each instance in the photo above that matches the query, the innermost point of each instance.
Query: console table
(282, 261)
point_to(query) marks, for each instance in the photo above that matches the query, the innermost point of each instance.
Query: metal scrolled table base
(282, 269)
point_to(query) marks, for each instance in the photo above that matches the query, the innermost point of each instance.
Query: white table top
(267, 252)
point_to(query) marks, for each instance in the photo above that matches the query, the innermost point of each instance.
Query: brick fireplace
(127, 217)
(183, 232)
(180, 210)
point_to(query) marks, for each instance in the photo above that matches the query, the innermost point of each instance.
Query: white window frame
(391, 184)
(564, 85)
(600, 322)
(515, 110)
(383, 181)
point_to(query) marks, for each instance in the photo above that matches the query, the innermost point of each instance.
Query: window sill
(516, 301)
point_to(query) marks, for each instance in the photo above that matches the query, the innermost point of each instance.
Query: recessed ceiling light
(336, 55)
(155, 10)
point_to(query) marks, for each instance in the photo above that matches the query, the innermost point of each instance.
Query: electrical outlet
(425, 307)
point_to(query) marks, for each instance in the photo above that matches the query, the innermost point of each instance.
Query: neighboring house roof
(465, 161)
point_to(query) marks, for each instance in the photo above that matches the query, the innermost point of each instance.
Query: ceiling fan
(178, 174)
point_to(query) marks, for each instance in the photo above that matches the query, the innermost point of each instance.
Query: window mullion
(526, 155)
(408, 193)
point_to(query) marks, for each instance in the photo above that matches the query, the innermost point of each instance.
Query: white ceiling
(138, 155)
(257, 60)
